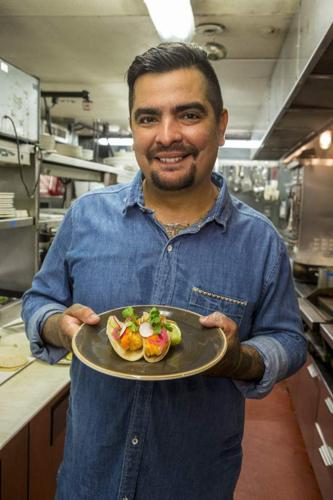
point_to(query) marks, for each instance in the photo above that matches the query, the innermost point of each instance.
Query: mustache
(175, 146)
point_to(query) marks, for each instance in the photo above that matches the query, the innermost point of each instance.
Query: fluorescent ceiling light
(229, 143)
(116, 141)
(173, 19)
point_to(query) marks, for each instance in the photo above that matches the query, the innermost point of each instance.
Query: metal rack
(21, 163)
(19, 236)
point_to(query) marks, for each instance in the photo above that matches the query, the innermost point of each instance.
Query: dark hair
(171, 56)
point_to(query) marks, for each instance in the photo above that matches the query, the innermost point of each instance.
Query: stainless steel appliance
(309, 229)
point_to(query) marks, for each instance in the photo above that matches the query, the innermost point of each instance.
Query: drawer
(58, 418)
(322, 462)
(305, 391)
(325, 414)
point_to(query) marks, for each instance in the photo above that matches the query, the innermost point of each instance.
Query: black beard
(183, 183)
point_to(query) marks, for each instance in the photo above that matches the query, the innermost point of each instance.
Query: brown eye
(191, 116)
(146, 120)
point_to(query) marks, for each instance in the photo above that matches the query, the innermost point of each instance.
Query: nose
(169, 131)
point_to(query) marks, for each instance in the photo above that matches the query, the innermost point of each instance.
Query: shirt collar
(135, 196)
(221, 211)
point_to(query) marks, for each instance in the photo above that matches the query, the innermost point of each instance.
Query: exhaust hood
(299, 102)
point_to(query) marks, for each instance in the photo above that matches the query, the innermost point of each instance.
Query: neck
(180, 207)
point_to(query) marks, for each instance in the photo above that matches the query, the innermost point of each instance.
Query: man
(173, 236)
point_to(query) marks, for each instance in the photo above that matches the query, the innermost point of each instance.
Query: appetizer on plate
(148, 336)
(124, 335)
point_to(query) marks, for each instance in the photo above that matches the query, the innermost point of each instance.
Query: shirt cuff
(40, 349)
(276, 367)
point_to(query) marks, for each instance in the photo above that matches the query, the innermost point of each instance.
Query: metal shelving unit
(75, 168)
(15, 223)
(18, 235)
(20, 159)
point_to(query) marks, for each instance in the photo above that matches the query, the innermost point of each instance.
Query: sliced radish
(115, 333)
(146, 330)
(123, 328)
(118, 327)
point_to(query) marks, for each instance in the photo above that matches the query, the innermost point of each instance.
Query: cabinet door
(305, 390)
(47, 434)
(322, 463)
(14, 468)
(323, 451)
(325, 415)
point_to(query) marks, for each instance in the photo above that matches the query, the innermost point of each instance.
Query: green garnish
(133, 326)
(155, 319)
(128, 312)
(154, 316)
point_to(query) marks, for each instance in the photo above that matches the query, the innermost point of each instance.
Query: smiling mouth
(171, 160)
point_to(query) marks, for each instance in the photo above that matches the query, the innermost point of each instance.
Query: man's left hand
(240, 362)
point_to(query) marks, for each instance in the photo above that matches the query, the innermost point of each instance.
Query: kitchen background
(64, 130)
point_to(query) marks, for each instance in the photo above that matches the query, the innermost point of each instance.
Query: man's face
(175, 131)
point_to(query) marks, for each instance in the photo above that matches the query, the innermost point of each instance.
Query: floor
(275, 465)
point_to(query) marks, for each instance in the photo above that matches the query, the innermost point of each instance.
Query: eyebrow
(195, 105)
(146, 111)
(190, 105)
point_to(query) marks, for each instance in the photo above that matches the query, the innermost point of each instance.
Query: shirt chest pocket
(205, 302)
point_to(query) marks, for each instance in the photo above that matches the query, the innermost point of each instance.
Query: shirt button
(135, 441)
(169, 248)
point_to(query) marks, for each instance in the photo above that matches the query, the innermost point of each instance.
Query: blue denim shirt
(176, 439)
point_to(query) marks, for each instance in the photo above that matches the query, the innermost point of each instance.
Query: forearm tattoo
(251, 366)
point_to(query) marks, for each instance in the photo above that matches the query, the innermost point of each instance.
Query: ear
(222, 126)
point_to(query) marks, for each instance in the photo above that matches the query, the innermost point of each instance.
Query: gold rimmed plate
(201, 348)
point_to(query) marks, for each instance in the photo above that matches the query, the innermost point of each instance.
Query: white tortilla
(128, 355)
(155, 359)
(9, 358)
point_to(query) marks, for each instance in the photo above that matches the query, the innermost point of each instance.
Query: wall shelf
(16, 222)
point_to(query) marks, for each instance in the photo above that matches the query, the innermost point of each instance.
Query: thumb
(216, 319)
(83, 313)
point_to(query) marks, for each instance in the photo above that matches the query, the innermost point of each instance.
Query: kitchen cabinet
(323, 443)
(14, 467)
(313, 403)
(47, 435)
(304, 388)
(30, 460)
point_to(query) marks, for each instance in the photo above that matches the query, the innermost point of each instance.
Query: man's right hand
(59, 329)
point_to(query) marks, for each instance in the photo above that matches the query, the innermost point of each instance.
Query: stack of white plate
(69, 150)
(125, 165)
(7, 209)
(47, 142)
(87, 154)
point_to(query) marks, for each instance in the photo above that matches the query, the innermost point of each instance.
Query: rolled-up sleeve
(277, 331)
(50, 293)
